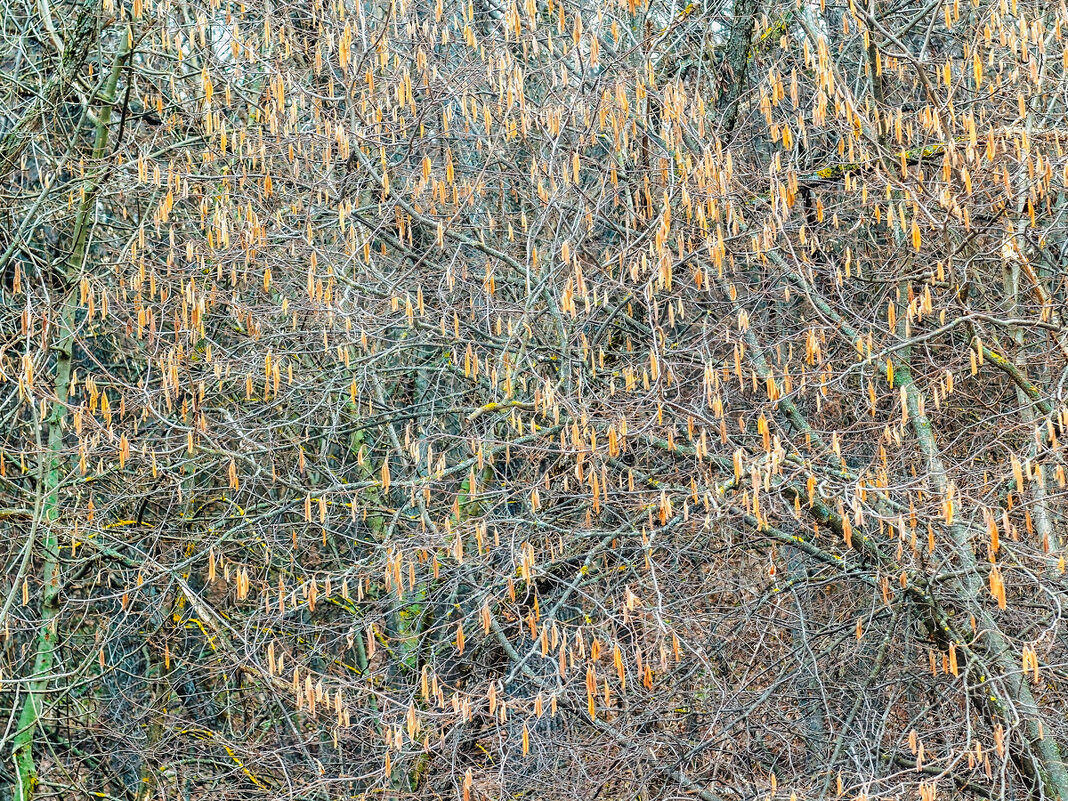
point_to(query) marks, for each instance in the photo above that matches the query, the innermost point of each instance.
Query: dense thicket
(492, 400)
